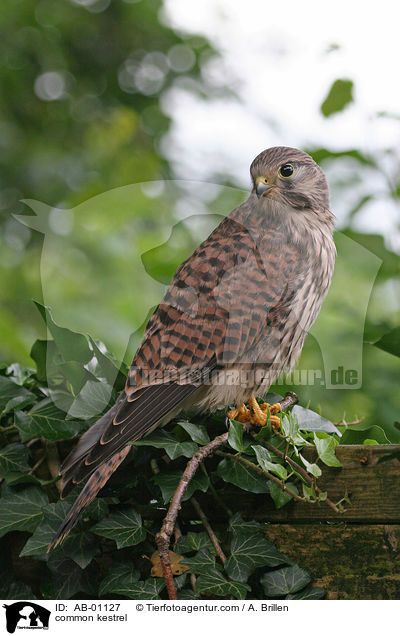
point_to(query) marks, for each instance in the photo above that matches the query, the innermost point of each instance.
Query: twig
(210, 531)
(163, 538)
(264, 473)
(53, 462)
(38, 463)
(297, 468)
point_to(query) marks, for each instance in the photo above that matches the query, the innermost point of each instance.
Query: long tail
(89, 492)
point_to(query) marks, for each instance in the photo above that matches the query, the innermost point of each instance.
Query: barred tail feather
(89, 492)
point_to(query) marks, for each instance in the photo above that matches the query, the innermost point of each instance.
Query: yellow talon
(257, 413)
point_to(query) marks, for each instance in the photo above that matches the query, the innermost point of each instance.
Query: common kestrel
(233, 318)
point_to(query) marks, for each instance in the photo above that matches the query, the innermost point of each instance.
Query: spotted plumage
(239, 307)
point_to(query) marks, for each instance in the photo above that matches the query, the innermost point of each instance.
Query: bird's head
(290, 177)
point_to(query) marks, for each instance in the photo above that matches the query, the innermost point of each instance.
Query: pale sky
(276, 58)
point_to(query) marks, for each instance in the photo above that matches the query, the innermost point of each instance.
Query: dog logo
(26, 615)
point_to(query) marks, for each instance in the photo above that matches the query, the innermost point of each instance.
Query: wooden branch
(163, 538)
(209, 529)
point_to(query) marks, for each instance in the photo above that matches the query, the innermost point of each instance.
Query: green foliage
(42, 414)
(340, 95)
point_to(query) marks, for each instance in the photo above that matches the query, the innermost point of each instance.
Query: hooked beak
(262, 187)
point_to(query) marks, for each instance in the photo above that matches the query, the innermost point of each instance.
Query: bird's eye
(286, 171)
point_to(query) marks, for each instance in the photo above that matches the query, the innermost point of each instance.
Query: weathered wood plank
(370, 475)
(349, 561)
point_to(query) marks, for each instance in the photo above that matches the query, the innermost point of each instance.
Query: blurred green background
(87, 125)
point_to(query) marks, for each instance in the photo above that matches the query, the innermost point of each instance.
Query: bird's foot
(257, 413)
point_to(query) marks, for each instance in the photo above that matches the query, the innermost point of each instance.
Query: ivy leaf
(124, 581)
(198, 541)
(249, 552)
(78, 546)
(19, 374)
(45, 420)
(340, 95)
(92, 400)
(244, 477)
(12, 394)
(124, 527)
(97, 509)
(110, 369)
(168, 483)
(173, 447)
(124, 573)
(201, 563)
(355, 435)
(310, 594)
(75, 374)
(264, 459)
(309, 492)
(313, 469)
(237, 524)
(281, 497)
(214, 583)
(46, 357)
(390, 342)
(66, 578)
(285, 581)
(72, 345)
(14, 459)
(21, 509)
(235, 436)
(197, 433)
(310, 421)
(326, 450)
(290, 429)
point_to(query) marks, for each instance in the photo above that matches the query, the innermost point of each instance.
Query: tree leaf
(201, 562)
(355, 436)
(14, 459)
(124, 527)
(313, 469)
(390, 342)
(78, 545)
(197, 433)
(310, 594)
(173, 447)
(45, 420)
(199, 540)
(214, 583)
(235, 436)
(249, 552)
(326, 450)
(308, 420)
(10, 391)
(109, 368)
(92, 400)
(65, 580)
(242, 476)
(72, 345)
(124, 581)
(168, 483)
(46, 357)
(21, 509)
(281, 497)
(264, 459)
(285, 581)
(237, 524)
(340, 95)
